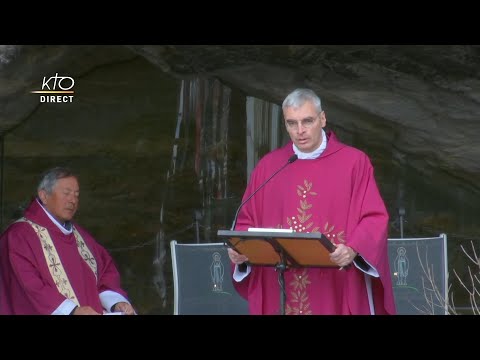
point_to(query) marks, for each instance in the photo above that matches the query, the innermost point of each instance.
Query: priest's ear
(42, 195)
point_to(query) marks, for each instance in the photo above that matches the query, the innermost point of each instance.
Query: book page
(271, 230)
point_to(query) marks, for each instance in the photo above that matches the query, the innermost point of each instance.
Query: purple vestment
(335, 194)
(26, 285)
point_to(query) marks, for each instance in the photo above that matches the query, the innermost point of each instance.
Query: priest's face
(62, 203)
(304, 125)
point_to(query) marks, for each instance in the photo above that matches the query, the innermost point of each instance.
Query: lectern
(281, 250)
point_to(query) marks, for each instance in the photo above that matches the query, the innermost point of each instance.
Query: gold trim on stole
(54, 263)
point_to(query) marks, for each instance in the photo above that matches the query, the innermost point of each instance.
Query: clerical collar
(66, 229)
(314, 154)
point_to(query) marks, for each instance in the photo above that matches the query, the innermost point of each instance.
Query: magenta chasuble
(335, 194)
(25, 264)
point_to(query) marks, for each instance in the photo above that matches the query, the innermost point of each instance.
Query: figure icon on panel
(401, 266)
(217, 271)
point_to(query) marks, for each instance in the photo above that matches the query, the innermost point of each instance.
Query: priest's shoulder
(279, 155)
(354, 153)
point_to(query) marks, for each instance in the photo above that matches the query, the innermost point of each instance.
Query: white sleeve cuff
(240, 275)
(370, 271)
(65, 308)
(108, 298)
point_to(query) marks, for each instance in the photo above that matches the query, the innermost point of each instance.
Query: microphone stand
(281, 267)
(289, 161)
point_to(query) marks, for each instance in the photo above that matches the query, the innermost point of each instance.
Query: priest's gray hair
(50, 177)
(298, 97)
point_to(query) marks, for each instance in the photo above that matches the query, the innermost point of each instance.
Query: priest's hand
(84, 310)
(343, 255)
(235, 257)
(124, 307)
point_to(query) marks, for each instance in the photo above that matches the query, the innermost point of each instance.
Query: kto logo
(56, 85)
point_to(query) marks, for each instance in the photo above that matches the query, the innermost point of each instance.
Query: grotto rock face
(423, 100)
(414, 108)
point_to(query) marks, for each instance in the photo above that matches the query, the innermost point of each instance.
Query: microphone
(290, 160)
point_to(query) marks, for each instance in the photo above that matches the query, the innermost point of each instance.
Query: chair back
(202, 281)
(419, 270)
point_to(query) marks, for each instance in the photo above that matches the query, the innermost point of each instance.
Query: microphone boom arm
(290, 160)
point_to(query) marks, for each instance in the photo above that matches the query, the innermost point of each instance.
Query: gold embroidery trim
(85, 252)
(299, 302)
(54, 263)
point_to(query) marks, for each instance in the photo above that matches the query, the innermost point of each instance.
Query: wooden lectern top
(267, 247)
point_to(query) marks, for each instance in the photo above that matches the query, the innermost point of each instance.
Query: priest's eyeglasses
(306, 123)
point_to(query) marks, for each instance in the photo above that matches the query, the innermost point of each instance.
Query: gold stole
(54, 263)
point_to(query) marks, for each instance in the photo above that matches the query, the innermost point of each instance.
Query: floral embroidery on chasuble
(54, 263)
(298, 302)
